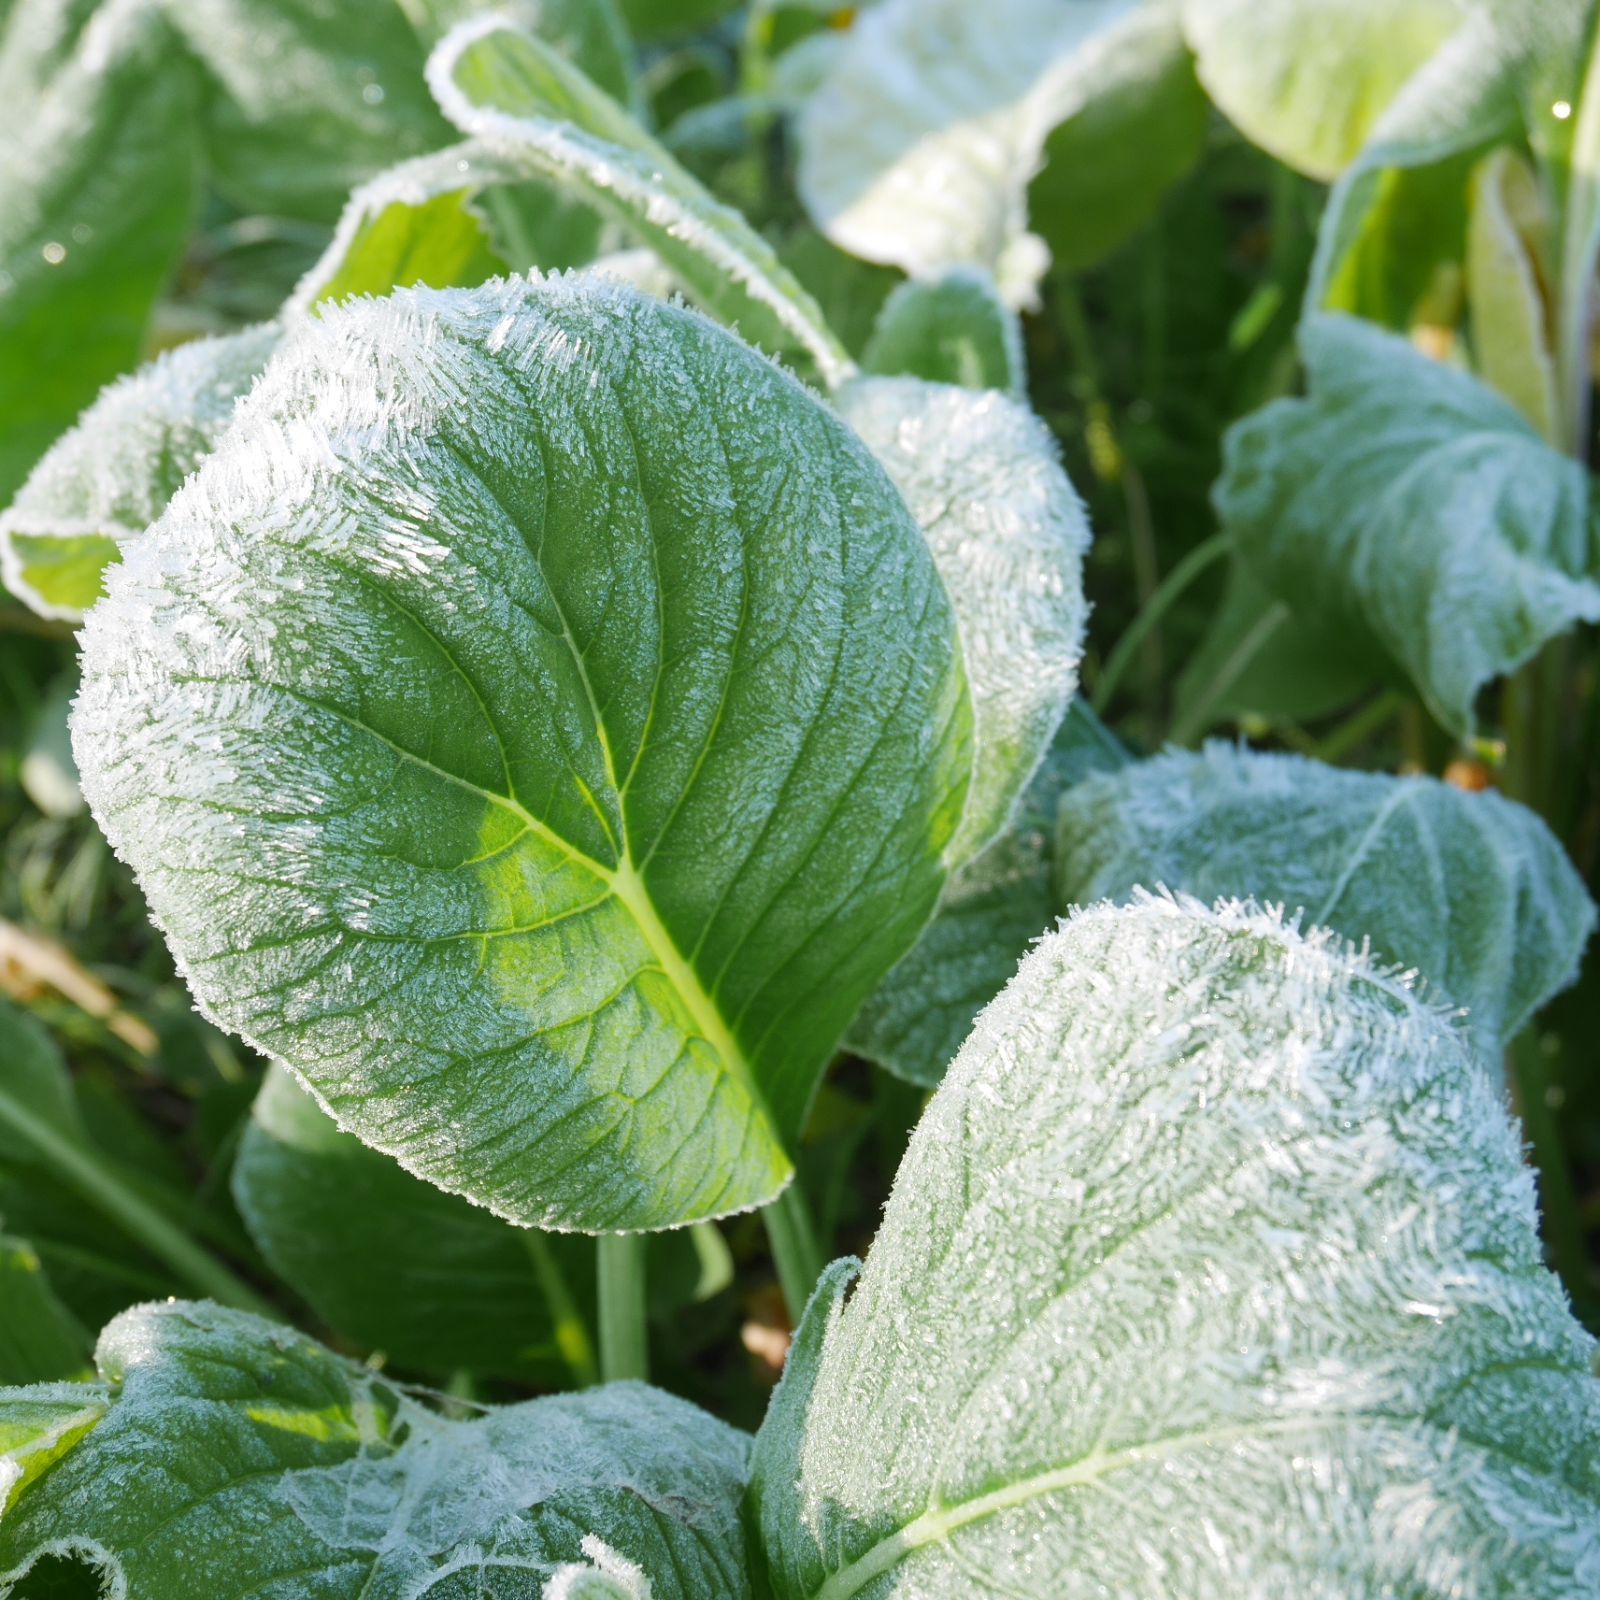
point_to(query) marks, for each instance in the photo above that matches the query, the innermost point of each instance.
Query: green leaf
(919, 147)
(546, 779)
(39, 1425)
(1212, 1269)
(306, 99)
(524, 102)
(991, 911)
(950, 329)
(1510, 330)
(391, 1261)
(96, 194)
(1471, 891)
(983, 478)
(414, 224)
(237, 1458)
(1108, 167)
(1407, 502)
(103, 482)
(1308, 81)
(39, 1337)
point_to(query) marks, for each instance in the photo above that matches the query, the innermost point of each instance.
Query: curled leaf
(1408, 503)
(1212, 1269)
(983, 478)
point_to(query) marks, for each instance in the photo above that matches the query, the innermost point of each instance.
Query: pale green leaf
(953, 328)
(919, 146)
(1212, 1270)
(1471, 891)
(392, 1262)
(524, 102)
(547, 776)
(916, 1020)
(1309, 81)
(983, 478)
(96, 193)
(1510, 329)
(103, 482)
(1403, 500)
(237, 1458)
(39, 1425)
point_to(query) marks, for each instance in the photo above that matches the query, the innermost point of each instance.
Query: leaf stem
(571, 1332)
(1359, 726)
(620, 1282)
(1171, 589)
(1186, 731)
(95, 1183)
(795, 1252)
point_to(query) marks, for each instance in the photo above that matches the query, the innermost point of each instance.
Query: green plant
(571, 739)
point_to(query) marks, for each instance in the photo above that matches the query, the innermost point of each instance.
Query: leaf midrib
(627, 885)
(936, 1524)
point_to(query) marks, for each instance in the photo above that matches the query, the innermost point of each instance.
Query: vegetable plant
(606, 770)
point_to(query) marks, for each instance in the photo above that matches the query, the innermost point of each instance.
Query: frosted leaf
(39, 1425)
(1212, 1270)
(234, 1457)
(521, 100)
(1306, 80)
(919, 146)
(950, 329)
(983, 479)
(111, 475)
(991, 911)
(1471, 891)
(1406, 502)
(603, 1576)
(640, 269)
(545, 776)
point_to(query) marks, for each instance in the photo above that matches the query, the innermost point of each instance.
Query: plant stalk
(624, 1332)
(95, 1183)
(572, 1333)
(1172, 588)
(1254, 642)
(795, 1252)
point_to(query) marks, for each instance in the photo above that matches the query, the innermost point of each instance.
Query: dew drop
(54, 253)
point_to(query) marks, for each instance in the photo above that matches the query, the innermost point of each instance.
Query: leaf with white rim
(110, 476)
(983, 478)
(226, 1456)
(1308, 81)
(1408, 504)
(547, 779)
(521, 100)
(1471, 891)
(919, 146)
(1213, 1269)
